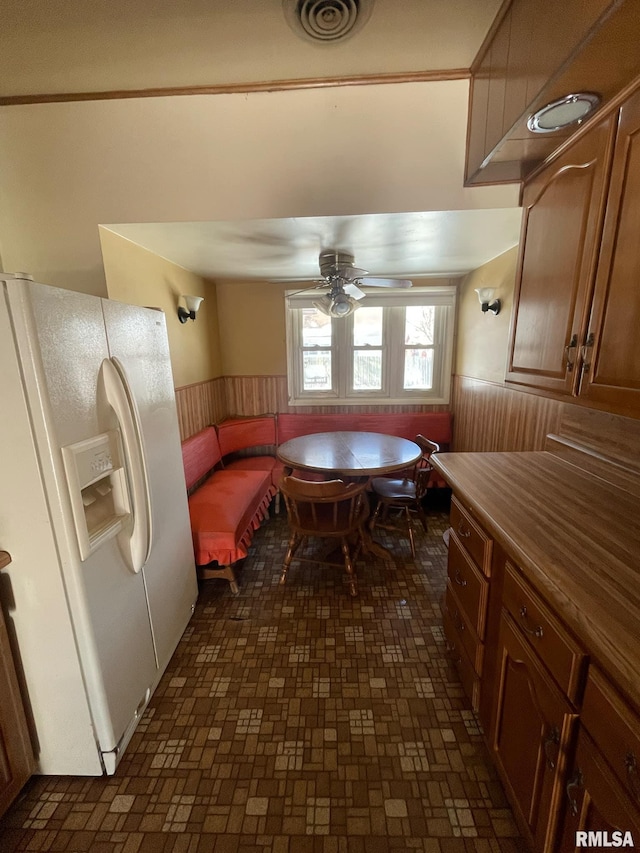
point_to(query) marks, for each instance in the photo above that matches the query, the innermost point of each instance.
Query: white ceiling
(102, 45)
(75, 46)
(409, 245)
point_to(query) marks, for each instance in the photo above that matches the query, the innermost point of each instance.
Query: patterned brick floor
(294, 719)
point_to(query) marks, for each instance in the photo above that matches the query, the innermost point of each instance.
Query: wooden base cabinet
(531, 734)
(465, 604)
(595, 804)
(16, 755)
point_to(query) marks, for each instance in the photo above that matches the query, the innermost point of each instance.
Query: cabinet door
(595, 802)
(531, 729)
(611, 364)
(16, 755)
(562, 220)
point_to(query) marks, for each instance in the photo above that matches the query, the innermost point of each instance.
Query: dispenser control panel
(98, 489)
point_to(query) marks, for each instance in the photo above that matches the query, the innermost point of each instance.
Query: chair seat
(394, 490)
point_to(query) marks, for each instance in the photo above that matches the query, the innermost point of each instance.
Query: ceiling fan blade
(350, 273)
(385, 282)
(354, 291)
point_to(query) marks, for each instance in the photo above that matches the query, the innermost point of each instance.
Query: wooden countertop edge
(5, 559)
(620, 670)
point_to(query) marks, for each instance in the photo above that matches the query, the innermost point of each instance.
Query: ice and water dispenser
(98, 489)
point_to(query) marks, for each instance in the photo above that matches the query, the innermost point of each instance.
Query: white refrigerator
(93, 511)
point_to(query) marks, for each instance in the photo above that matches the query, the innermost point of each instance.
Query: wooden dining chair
(331, 509)
(404, 496)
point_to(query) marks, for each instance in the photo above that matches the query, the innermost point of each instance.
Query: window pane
(418, 369)
(316, 328)
(419, 325)
(316, 370)
(367, 370)
(367, 327)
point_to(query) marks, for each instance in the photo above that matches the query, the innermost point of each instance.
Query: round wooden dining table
(351, 454)
(355, 454)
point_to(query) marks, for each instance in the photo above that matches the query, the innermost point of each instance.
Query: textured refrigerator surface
(115, 616)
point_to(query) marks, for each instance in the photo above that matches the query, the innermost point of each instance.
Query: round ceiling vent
(327, 21)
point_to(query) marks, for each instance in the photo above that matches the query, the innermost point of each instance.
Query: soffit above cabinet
(536, 52)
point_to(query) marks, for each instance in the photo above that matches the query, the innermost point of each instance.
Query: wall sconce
(192, 303)
(485, 296)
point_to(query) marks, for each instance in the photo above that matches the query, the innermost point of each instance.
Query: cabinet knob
(463, 530)
(459, 579)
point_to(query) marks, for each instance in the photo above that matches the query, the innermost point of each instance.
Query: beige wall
(70, 167)
(483, 339)
(252, 327)
(139, 277)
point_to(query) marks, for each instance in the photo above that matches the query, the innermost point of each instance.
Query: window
(395, 348)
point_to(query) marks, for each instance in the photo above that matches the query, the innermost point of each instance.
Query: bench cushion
(224, 513)
(258, 463)
(240, 433)
(200, 453)
(433, 425)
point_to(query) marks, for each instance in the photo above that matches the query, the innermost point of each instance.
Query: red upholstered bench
(225, 509)
(254, 435)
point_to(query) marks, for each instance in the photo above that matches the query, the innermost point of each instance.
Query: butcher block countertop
(576, 538)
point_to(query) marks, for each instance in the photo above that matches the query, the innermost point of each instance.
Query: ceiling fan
(342, 278)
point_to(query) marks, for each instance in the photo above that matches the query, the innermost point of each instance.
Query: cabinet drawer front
(556, 649)
(470, 585)
(472, 536)
(465, 631)
(616, 730)
(468, 678)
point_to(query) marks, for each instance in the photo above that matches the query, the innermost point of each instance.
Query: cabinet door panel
(532, 724)
(563, 211)
(611, 371)
(593, 801)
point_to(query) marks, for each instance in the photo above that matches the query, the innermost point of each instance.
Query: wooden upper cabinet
(562, 220)
(610, 374)
(536, 52)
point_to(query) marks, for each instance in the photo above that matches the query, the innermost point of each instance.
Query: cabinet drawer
(556, 649)
(470, 585)
(471, 535)
(468, 678)
(615, 728)
(472, 645)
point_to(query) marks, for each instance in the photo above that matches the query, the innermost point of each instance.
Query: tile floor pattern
(294, 719)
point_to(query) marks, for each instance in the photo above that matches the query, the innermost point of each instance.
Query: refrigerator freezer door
(62, 343)
(138, 339)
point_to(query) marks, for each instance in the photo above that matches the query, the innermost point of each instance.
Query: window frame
(394, 348)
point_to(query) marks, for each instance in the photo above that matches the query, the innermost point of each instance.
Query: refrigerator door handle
(120, 398)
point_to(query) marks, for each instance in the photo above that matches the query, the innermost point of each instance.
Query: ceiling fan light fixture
(342, 305)
(571, 109)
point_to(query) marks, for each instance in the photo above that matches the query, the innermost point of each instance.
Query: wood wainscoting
(200, 405)
(210, 402)
(488, 416)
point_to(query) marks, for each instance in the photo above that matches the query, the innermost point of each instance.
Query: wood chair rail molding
(242, 88)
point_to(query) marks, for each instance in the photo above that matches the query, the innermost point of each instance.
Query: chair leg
(422, 516)
(294, 544)
(348, 565)
(375, 516)
(410, 532)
